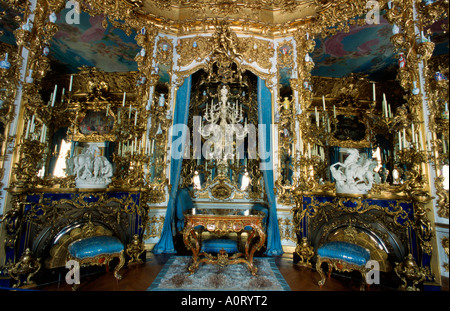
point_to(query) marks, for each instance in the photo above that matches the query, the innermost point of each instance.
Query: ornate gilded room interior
(160, 145)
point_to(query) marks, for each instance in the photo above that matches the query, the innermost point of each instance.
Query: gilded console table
(223, 222)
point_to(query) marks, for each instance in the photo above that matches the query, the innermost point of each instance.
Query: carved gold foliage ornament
(444, 243)
(193, 49)
(164, 53)
(256, 50)
(437, 94)
(225, 8)
(224, 43)
(221, 191)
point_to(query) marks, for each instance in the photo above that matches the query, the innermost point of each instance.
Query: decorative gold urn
(135, 249)
(410, 273)
(27, 266)
(305, 252)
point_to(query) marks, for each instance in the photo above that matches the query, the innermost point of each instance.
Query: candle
(412, 133)
(389, 110)
(135, 118)
(129, 112)
(385, 109)
(323, 102)
(399, 141)
(124, 97)
(317, 116)
(373, 89)
(62, 95)
(43, 133)
(28, 130)
(54, 95)
(420, 141)
(334, 111)
(309, 150)
(71, 82)
(32, 124)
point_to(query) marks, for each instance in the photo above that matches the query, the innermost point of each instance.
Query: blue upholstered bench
(98, 250)
(342, 256)
(216, 245)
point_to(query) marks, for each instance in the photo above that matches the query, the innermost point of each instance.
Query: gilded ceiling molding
(181, 19)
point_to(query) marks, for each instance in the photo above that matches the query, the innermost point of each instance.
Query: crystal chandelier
(223, 119)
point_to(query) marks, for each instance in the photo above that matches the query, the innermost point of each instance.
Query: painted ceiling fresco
(88, 43)
(363, 49)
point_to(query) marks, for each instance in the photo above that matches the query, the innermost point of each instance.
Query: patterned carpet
(209, 277)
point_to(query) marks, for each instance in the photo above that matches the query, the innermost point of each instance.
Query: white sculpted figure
(355, 175)
(91, 169)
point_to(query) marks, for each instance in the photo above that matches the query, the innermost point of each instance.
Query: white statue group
(92, 170)
(356, 174)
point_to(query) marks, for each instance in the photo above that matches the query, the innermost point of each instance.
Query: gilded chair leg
(119, 266)
(321, 273)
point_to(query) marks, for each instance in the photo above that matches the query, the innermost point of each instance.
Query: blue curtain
(181, 113)
(265, 142)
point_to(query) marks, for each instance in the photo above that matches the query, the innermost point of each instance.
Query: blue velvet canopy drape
(181, 114)
(267, 164)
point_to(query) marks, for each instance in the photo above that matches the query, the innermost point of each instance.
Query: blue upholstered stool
(216, 245)
(342, 256)
(98, 250)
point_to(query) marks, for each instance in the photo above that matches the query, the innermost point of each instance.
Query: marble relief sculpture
(356, 174)
(92, 170)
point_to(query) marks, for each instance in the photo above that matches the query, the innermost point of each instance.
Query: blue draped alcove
(166, 243)
(181, 114)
